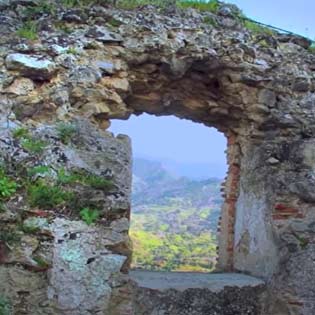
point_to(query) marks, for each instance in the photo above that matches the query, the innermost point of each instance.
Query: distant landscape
(174, 218)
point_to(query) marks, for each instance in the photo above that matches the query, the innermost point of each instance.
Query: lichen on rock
(95, 63)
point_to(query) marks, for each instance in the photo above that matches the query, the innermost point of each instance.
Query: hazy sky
(291, 15)
(172, 138)
(184, 141)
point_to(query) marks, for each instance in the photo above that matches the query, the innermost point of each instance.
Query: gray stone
(82, 285)
(302, 84)
(74, 15)
(106, 67)
(121, 225)
(36, 223)
(35, 67)
(273, 161)
(21, 86)
(215, 282)
(85, 75)
(255, 88)
(4, 3)
(195, 294)
(104, 35)
(267, 97)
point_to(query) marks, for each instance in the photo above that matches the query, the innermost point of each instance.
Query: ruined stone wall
(53, 260)
(100, 63)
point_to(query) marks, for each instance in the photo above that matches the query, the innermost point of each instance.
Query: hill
(174, 219)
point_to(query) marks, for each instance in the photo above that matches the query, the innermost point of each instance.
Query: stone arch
(228, 185)
(204, 89)
(258, 89)
(195, 90)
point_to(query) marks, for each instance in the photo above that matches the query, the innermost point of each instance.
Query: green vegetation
(98, 182)
(302, 240)
(72, 51)
(210, 20)
(64, 177)
(256, 28)
(52, 191)
(113, 22)
(33, 146)
(132, 4)
(40, 169)
(46, 196)
(83, 178)
(8, 236)
(29, 229)
(28, 142)
(201, 5)
(42, 7)
(66, 131)
(62, 26)
(7, 187)
(173, 220)
(89, 216)
(81, 3)
(42, 263)
(20, 133)
(70, 3)
(2, 207)
(174, 252)
(28, 31)
(5, 306)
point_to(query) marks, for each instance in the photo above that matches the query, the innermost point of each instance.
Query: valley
(174, 219)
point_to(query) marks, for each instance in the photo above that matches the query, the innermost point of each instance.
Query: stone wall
(196, 294)
(100, 63)
(53, 260)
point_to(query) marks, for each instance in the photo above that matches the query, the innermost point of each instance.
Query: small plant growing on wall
(45, 196)
(38, 170)
(29, 143)
(66, 131)
(5, 306)
(8, 236)
(8, 187)
(29, 31)
(33, 146)
(20, 133)
(89, 216)
(77, 177)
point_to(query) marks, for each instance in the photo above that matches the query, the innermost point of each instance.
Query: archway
(256, 88)
(178, 168)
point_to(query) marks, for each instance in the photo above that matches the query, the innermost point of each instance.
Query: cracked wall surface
(91, 64)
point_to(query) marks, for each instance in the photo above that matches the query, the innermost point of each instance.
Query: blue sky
(291, 15)
(187, 142)
(170, 138)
